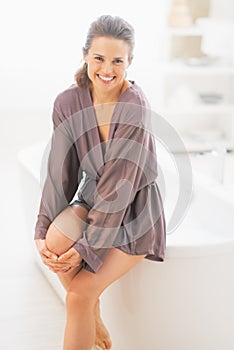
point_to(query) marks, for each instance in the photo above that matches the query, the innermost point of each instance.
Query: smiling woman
(107, 58)
(105, 67)
(117, 219)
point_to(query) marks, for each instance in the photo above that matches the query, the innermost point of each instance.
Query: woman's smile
(106, 79)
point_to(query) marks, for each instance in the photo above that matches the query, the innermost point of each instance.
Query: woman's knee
(84, 289)
(66, 229)
(71, 222)
(56, 242)
(80, 299)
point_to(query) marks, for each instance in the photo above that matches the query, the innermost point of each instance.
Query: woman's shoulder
(134, 104)
(71, 100)
(136, 95)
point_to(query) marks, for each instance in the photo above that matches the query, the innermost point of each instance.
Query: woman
(117, 218)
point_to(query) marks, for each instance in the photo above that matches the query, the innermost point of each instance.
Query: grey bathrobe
(115, 180)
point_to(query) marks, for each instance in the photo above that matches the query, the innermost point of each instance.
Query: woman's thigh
(66, 229)
(117, 263)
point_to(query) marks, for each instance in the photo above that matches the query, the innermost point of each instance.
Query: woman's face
(107, 59)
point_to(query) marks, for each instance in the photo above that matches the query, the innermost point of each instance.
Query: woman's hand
(50, 259)
(64, 263)
(46, 255)
(71, 258)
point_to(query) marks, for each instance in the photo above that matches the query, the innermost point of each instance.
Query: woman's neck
(99, 98)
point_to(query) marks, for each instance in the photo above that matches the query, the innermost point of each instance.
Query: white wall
(223, 9)
(41, 50)
(41, 45)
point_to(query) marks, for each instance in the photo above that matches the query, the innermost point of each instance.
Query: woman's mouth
(105, 79)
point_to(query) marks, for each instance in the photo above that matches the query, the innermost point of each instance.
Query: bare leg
(83, 294)
(58, 243)
(102, 335)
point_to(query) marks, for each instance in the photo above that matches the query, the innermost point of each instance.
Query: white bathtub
(184, 303)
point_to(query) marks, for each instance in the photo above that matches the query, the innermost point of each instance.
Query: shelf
(187, 78)
(203, 146)
(188, 31)
(200, 109)
(177, 68)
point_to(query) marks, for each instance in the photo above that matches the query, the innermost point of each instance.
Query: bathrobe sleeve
(61, 180)
(130, 165)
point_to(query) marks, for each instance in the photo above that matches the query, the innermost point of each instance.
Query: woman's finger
(58, 268)
(70, 255)
(64, 257)
(49, 254)
(54, 264)
(43, 250)
(61, 269)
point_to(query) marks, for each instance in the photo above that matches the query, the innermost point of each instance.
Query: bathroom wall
(41, 50)
(222, 9)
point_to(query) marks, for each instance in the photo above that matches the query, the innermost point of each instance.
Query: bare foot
(103, 340)
(102, 335)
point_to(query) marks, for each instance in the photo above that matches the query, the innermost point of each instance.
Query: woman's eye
(98, 58)
(118, 61)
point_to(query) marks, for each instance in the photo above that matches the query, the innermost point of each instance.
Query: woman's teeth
(105, 78)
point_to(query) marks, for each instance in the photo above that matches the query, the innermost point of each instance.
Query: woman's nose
(107, 67)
